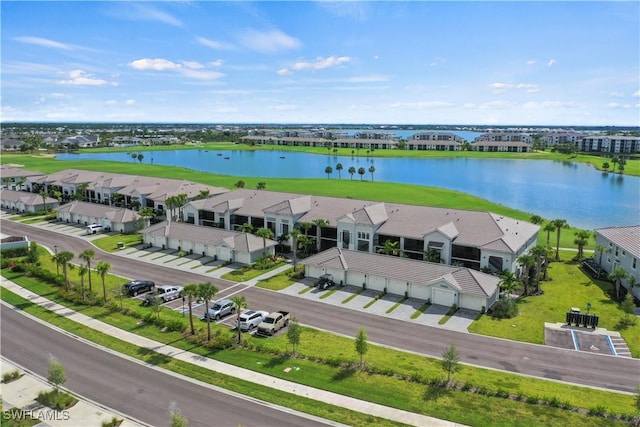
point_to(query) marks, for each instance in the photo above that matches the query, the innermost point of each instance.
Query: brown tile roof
(25, 197)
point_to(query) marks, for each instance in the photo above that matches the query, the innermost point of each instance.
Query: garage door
(443, 297)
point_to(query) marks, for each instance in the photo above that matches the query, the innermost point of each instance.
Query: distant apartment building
(439, 141)
(615, 144)
(502, 146)
(505, 137)
(551, 139)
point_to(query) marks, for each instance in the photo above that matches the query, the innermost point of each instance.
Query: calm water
(583, 196)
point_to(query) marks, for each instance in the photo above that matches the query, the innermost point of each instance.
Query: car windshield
(269, 320)
(216, 307)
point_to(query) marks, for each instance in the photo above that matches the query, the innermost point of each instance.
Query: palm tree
(615, 162)
(606, 166)
(539, 254)
(181, 200)
(190, 291)
(617, 276)
(239, 184)
(581, 240)
(328, 170)
(601, 249)
(549, 228)
(371, 171)
(63, 258)
(432, 255)
(140, 157)
(241, 303)
(261, 185)
(206, 292)
(559, 224)
(147, 214)
(361, 172)
(87, 255)
(390, 248)
(339, 169)
(246, 228)
(526, 261)
(82, 270)
(170, 203)
(116, 198)
(508, 283)
(265, 233)
(351, 171)
(203, 194)
(305, 243)
(81, 192)
(295, 236)
(103, 268)
(43, 194)
(319, 223)
(536, 219)
(134, 156)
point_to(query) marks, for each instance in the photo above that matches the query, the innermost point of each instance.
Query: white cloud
(43, 42)
(500, 87)
(216, 63)
(636, 94)
(438, 61)
(496, 105)
(289, 107)
(551, 62)
(191, 69)
(531, 62)
(469, 105)
(268, 41)
(503, 87)
(528, 87)
(320, 63)
(157, 64)
(147, 13)
(130, 101)
(616, 106)
(111, 102)
(284, 71)
(215, 44)
(81, 78)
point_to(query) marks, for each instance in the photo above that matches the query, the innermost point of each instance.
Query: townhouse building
(440, 141)
(620, 247)
(613, 144)
(477, 240)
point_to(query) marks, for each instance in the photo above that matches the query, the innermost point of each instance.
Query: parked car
(136, 287)
(250, 319)
(274, 322)
(94, 228)
(220, 309)
(163, 293)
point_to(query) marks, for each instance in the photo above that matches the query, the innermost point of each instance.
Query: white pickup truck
(163, 293)
(274, 322)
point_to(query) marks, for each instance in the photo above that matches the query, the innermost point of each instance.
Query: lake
(577, 192)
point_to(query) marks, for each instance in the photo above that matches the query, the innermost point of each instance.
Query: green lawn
(248, 272)
(385, 385)
(277, 282)
(110, 243)
(569, 287)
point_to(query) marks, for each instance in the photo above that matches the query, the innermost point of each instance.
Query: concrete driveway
(461, 320)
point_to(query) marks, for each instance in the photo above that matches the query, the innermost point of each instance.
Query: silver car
(250, 319)
(220, 309)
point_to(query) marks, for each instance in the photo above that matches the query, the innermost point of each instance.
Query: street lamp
(55, 251)
(588, 307)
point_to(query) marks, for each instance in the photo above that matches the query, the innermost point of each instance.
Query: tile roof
(627, 238)
(99, 211)
(25, 197)
(467, 281)
(15, 172)
(209, 235)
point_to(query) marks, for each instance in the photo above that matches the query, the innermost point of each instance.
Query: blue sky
(490, 63)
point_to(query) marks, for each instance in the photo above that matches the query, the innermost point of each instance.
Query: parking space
(461, 320)
(432, 315)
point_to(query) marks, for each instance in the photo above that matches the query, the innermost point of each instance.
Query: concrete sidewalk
(234, 371)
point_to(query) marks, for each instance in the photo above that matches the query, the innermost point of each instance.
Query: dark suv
(135, 287)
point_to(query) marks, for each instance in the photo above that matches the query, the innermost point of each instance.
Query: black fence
(581, 319)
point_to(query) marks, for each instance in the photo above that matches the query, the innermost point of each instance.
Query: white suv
(94, 228)
(250, 319)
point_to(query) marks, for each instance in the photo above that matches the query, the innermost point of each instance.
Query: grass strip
(330, 292)
(246, 388)
(305, 290)
(419, 312)
(374, 300)
(396, 305)
(352, 296)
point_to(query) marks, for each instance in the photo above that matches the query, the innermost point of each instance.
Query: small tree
(629, 308)
(82, 271)
(103, 268)
(190, 291)
(206, 292)
(241, 303)
(617, 276)
(32, 253)
(450, 361)
(293, 334)
(119, 294)
(55, 375)
(362, 344)
(177, 419)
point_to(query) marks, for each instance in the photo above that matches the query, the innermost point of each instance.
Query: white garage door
(443, 297)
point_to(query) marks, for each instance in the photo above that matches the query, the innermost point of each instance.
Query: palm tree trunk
(193, 331)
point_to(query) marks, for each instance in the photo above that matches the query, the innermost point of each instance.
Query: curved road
(615, 373)
(130, 387)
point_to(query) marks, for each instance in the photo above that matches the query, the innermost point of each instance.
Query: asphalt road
(615, 373)
(129, 387)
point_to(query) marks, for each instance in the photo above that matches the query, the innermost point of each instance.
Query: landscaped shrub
(113, 422)
(174, 325)
(7, 377)
(505, 309)
(14, 252)
(18, 268)
(56, 399)
(598, 411)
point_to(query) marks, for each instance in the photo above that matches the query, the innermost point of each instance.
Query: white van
(94, 228)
